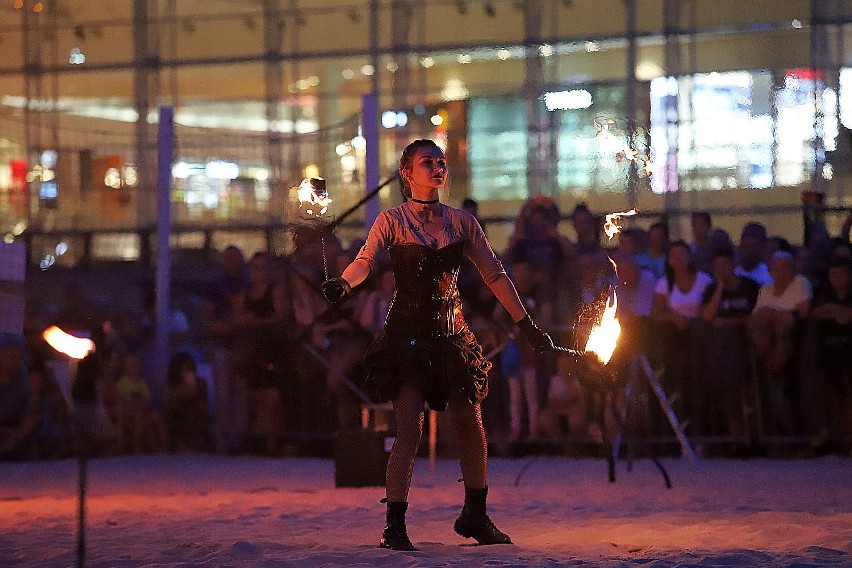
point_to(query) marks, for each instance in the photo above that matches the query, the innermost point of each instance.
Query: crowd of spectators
(751, 337)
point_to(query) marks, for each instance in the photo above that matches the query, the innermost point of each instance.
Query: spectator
(375, 307)
(98, 434)
(518, 362)
(565, 411)
(832, 391)
(218, 322)
(774, 328)
(654, 258)
(700, 246)
(470, 205)
(676, 310)
(751, 254)
(258, 350)
(185, 406)
(142, 426)
(588, 229)
(631, 241)
(727, 304)
(53, 436)
(19, 412)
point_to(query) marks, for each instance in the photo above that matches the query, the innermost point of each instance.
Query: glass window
(497, 143)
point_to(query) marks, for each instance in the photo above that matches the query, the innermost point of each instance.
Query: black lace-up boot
(474, 522)
(395, 536)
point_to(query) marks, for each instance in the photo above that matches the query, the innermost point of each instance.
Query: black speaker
(361, 457)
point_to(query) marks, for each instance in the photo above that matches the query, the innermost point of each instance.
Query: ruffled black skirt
(439, 367)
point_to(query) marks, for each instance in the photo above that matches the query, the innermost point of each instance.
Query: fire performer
(426, 353)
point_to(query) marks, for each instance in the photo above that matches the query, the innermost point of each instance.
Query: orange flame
(67, 344)
(311, 201)
(604, 335)
(611, 226)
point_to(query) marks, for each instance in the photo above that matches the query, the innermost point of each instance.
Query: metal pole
(165, 145)
(370, 131)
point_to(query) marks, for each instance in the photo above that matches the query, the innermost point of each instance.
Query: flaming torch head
(67, 344)
(313, 197)
(611, 226)
(604, 335)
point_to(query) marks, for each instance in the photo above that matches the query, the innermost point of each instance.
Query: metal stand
(640, 360)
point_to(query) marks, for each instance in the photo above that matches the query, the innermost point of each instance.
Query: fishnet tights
(466, 419)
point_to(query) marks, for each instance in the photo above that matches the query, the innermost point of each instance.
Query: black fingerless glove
(539, 339)
(335, 289)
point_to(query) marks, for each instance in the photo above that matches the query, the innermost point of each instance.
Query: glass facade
(704, 101)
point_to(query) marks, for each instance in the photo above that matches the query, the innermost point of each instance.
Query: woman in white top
(678, 294)
(676, 338)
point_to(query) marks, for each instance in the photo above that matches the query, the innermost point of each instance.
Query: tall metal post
(370, 131)
(165, 148)
(370, 120)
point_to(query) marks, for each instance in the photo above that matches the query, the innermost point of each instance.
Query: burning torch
(314, 201)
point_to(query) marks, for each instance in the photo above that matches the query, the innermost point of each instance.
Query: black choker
(425, 202)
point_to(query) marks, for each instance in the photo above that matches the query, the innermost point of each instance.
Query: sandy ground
(204, 510)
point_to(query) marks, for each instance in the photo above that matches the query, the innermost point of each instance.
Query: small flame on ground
(604, 335)
(611, 226)
(67, 344)
(311, 201)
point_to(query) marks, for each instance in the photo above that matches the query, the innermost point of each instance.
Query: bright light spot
(546, 50)
(389, 119)
(648, 70)
(368, 70)
(359, 142)
(427, 62)
(130, 176)
(436, 120)
(568, 100)
(49, 158)
(19, 228)
(76, 57)
(503, 54)
(342, 149)
(180, 170)
(219, 169)
(8, 238)
(454, 90)
(392, 66)
(592, 46)
(67, 344)
(348, 162)
(348, 74)
(827, 171)
(401, 119)
(796, 24)
(313, 80)
(47, 262)
(312, 171)
(61, 248)
(112, 178)
(463, 58)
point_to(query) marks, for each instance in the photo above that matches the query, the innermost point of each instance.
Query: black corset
(426, 301)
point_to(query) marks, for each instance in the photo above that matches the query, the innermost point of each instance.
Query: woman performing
(426, 353)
